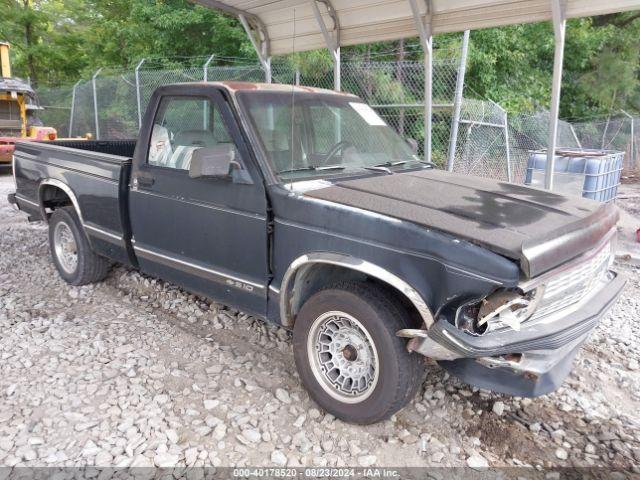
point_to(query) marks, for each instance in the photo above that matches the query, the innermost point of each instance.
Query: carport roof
(365, 21)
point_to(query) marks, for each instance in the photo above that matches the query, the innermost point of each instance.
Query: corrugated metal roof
(365, 21)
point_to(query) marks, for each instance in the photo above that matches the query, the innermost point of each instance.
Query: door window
(183, 125)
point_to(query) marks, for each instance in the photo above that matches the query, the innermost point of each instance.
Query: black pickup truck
(302, 207)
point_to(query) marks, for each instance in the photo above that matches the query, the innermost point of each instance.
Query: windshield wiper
(402, 162)
(314, 168)
(379, 168)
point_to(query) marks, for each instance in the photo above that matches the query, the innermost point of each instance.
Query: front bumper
(531, 362)
(516, 380)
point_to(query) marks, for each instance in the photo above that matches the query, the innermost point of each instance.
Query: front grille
(571, 286)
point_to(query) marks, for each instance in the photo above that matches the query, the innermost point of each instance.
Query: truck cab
(302, 207)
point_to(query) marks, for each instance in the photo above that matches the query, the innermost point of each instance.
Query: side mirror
(413, 144)
(214, 162)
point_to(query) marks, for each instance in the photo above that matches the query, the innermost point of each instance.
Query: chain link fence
(492, 144)
(58, 103)
(613, 133)
(530, 132)
(480, 146)
(488, 142)
(396, 91)
(110, 105)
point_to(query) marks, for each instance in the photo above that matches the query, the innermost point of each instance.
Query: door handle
(143, 181)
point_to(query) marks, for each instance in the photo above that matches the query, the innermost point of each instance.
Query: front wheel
(348, 355)
(72, 255)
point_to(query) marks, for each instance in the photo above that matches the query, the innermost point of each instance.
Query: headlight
(500, 310)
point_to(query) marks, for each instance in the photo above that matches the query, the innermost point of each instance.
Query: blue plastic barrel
(591, 174)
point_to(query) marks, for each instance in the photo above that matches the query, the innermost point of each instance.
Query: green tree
(59, 41)
(46, 39)
(513, 65)
(124, 31)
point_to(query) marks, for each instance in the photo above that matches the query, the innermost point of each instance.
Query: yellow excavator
(19, 109)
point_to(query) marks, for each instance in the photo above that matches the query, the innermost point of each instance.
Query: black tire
(400, 373)
(89, 268)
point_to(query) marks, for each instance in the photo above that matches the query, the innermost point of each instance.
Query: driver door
(208, 235)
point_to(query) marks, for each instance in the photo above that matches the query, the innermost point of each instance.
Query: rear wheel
(348, 355)
(76, 263)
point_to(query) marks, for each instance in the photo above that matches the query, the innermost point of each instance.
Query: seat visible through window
(183, 125)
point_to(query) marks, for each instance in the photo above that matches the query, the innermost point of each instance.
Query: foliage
(513, 65)
(59, 41)
(124, 31)
(46, 41)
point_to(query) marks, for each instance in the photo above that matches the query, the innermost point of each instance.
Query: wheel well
(312, 277)
(52, 197)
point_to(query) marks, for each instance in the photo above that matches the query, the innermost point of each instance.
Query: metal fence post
(507, 147)
(138, 96)
(73, 107)
(634, 153)
(632, 140)
(575, 137)
(95, 102)
(457, 102)
(205, 68)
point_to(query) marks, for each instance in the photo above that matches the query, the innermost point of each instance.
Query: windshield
(311, 134)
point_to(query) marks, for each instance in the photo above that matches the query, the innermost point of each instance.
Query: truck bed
(118, 148)
(93, 174)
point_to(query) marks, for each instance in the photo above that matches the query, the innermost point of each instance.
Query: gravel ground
(136, 372)
(631, 197)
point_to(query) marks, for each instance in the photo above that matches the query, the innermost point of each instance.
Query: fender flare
(66, 189)
(355, 264)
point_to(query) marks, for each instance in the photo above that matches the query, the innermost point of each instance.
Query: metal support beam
(457, 102)
(559, 29)
(138, 93)
(426, 39)
(337, 72)
(73, 107)
(254, 23)
(253, 26)
(95, 102)
(258, 37)
(205, 78)
(332, 41)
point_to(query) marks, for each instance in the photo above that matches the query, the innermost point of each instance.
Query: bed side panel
(93, 178)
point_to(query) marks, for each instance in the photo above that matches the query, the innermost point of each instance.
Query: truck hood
(538, 228)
